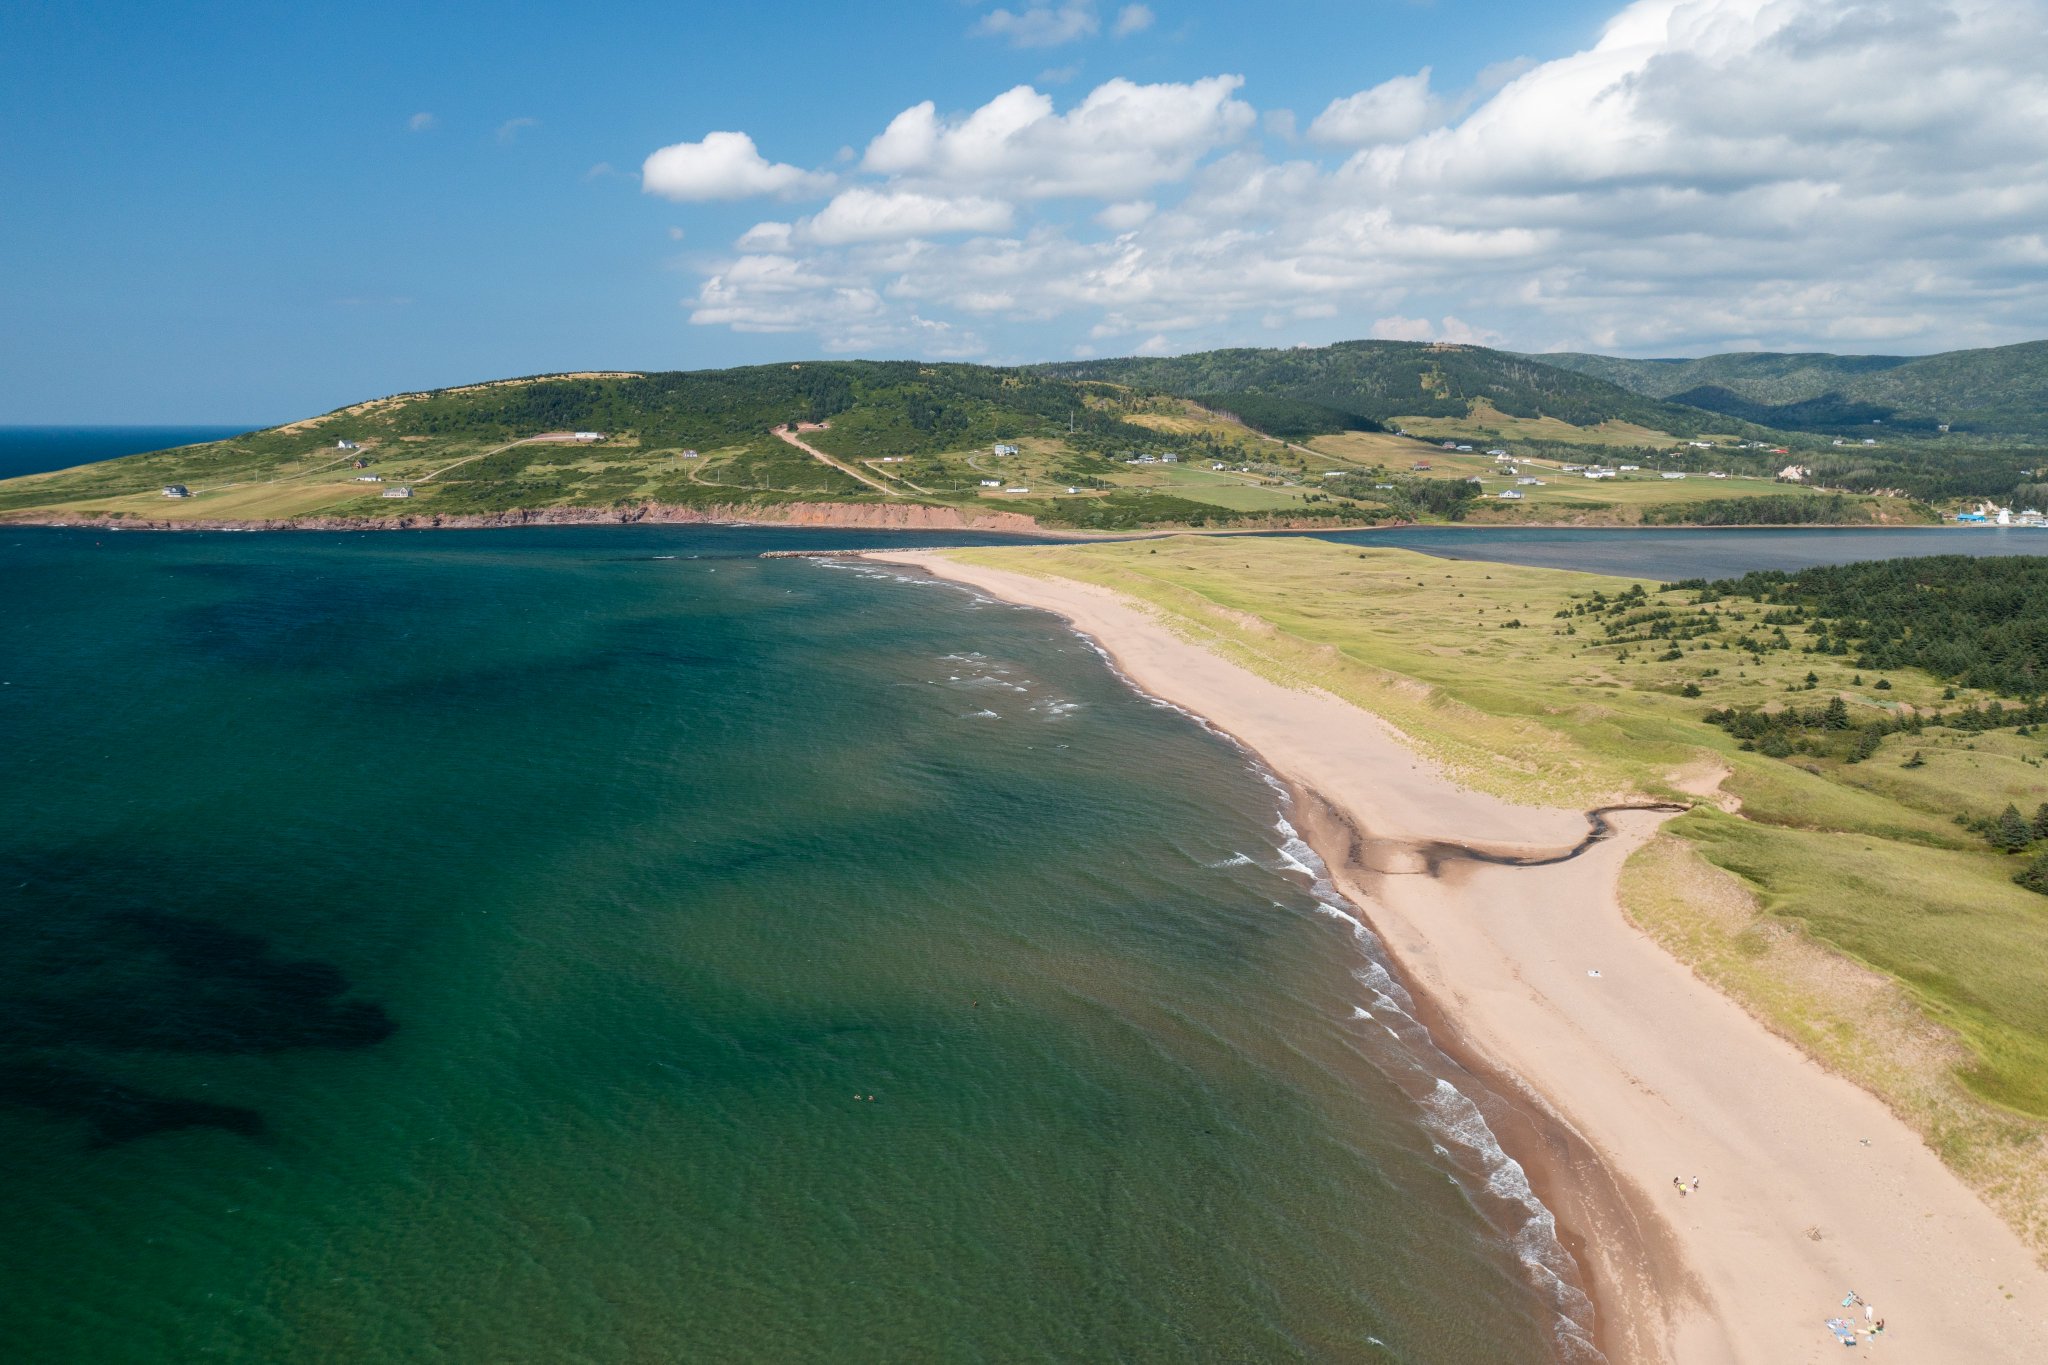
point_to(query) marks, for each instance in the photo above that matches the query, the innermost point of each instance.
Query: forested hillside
(1383, 380)
(1999, 391)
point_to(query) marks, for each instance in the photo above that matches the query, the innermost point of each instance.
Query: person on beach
(1678, 1183)
(1695, 1185)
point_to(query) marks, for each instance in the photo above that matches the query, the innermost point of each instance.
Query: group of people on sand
(1845, 1329)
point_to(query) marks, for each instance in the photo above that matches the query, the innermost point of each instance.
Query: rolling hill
(1999, 391)
(1387, 380)
(1302, 437)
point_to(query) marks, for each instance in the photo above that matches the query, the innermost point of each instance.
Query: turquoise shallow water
(483, 947)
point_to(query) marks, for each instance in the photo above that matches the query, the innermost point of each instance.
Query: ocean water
(604, 945)
(1721, 552)
(33, 450)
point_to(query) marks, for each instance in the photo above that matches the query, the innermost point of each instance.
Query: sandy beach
(1628, 1069)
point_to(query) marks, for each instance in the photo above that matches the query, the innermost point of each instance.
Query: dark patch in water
(116, 1112)
(77, 974)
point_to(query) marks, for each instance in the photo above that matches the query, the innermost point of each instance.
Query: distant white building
(991, 483)
(1673, 474)
(1016, 490)
(1510, 495)
(689, 454)
(401, 491)
(346, 445)
(1073, 490)
(588, 437)
(369, 478)
(1528, 482)
(176, 490)
(1628, 468)
(1715, 474)
(1794, 472)
(1002, 449)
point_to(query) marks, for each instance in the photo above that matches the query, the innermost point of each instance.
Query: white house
(176, 490)
(399, 492)
(689, 454)
(1628, 468)
(587, 437)
(346, 445)
(1510, 495)
(1002, 449)
(991, 483)
(1715, 474)
(1016, 490)
(1528, 482)
(1672, 474)
(369, 478)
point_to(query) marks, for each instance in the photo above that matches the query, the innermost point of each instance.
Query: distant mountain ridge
(1382, 380)
(1995, 391)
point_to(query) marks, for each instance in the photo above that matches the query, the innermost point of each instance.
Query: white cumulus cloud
(865, 215)
(1391, 111)
(1123, 138)
(721, 166)
(1705, 174)
(1133, 19)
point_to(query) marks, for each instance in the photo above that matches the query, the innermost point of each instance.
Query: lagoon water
(1674, 553)
(605, 945)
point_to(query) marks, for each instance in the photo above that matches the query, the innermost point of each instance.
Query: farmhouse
(1002, 449)
(1510, 495)
(177, 490)
(401, 491)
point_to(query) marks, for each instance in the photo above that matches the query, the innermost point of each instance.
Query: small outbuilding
(176, 490)
(401, 491)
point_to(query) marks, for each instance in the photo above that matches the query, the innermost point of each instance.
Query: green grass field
(1863, 862)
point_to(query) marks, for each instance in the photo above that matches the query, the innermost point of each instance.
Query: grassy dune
(1843, 903)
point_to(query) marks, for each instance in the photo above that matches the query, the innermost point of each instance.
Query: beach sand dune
(1627, 1069)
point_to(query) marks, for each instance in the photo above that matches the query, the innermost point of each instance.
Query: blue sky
(242, 212)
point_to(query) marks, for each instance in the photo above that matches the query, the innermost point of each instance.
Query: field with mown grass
(1852, 906)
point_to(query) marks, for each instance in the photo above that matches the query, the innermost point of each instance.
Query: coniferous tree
(2011, 832)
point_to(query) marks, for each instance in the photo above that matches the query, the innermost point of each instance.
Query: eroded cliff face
(886, 516)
